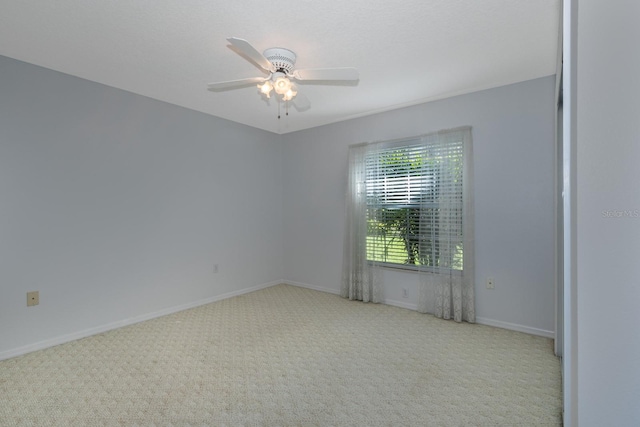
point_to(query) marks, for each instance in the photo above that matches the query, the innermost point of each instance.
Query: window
(415, 202)
(410, 205)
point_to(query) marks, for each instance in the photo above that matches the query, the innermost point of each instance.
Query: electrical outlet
(491, 283)
(33, 298)
(405, 293)
(215, 268)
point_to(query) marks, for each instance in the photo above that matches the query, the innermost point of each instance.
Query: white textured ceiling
(407, 51)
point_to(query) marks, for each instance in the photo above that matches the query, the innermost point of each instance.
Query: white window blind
(414, 196)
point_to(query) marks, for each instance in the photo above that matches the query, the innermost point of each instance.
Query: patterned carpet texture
(288, 356)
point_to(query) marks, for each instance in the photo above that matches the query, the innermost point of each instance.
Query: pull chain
(286, 109)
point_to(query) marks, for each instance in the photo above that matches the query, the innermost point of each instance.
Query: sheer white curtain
(442, 193)
(361, 279)
(447, 290)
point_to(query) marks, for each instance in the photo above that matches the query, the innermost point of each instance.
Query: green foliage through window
(414, 205)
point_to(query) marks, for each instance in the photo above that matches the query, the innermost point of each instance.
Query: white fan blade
(234, 84)
(327, 74)
(245, 48)
(301, 102)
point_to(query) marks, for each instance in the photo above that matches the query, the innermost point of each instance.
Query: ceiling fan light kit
(266, 88)
(280, 64)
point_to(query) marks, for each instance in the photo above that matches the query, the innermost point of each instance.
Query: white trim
(126, 322)
(312, 287)
(8, 354)
(401, 304)
(394, 303)
(412, 306)
(570, 214)
(515, 327)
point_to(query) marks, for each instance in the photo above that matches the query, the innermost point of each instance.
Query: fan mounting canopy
(281, 58)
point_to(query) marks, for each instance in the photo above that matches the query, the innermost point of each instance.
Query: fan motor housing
(281, 58)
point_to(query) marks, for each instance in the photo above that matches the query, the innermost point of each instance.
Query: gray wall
(113, 205)
(513, 133)
(608, 238)
(116, 206)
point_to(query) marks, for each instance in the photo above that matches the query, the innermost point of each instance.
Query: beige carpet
(288, 356)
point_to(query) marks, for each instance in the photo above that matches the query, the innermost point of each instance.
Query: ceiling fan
(279, 63)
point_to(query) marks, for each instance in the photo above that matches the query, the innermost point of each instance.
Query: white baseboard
(515, 327)
(401, 304)
(41, 345)
(413, 306)
(336, 292)
(313, 287)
